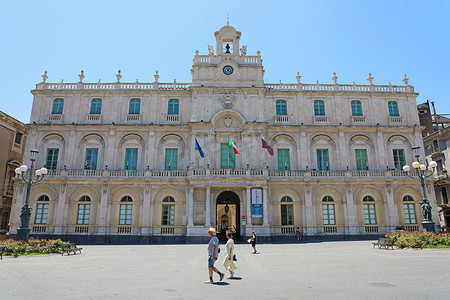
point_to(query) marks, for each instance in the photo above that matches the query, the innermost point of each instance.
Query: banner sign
(257, 203)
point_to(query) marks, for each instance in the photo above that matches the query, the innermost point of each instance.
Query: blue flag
(199, 148)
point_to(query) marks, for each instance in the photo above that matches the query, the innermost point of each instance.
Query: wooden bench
(2, 249)
(71, 247)
(384, 243)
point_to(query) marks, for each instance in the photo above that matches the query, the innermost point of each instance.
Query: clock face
(228, 70)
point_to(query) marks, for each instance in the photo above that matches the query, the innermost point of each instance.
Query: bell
(228, 48)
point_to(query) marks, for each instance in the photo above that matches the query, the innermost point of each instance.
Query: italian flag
(232, 145)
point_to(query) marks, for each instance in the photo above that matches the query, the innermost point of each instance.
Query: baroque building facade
(123, 164)
(12, 137)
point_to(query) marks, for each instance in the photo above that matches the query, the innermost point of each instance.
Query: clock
(228, 70)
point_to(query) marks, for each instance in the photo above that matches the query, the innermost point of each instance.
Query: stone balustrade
(271, 87)
(229, 173)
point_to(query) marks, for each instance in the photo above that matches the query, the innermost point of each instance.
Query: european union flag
(199, 148)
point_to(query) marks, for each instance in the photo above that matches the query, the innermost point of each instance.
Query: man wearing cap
(213, 253)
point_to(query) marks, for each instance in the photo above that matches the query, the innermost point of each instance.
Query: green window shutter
(370, 217)
(168, 215)
(393, 109)
(41, 214)
(84, 211)
(171, 160)
(90, 163)
(410, 213)
(399, 158)
(135, 106)
(96, 106)
(356, 108)
(361, 159)
(126, 211)
(131, 158)
(52, 158)
(281, 108)
(173, 107)
(227, 157)
(319, 108)
(328, 214)
(322, 159)
(58, 106)
(283, 159)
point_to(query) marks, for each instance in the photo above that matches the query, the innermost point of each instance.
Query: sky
(315, 38)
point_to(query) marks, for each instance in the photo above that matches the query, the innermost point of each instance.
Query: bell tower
(228, 65)
(227, 39)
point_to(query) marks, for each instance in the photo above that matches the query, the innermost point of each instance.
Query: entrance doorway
(228, 215)
(447, 220)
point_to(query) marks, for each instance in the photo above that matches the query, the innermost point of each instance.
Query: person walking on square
(298, 234)
(228, 262)
(213, 254)
(253, 240)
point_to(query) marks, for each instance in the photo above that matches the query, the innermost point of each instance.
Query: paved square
(330, 270)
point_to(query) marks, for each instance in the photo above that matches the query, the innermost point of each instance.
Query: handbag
(234, 258)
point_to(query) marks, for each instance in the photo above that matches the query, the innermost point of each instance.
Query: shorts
(211, 262)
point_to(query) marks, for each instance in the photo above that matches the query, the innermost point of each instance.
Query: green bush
(13, 247)
(404, 239)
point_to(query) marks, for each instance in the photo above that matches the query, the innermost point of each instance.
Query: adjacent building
(149, 162)
(12, 137)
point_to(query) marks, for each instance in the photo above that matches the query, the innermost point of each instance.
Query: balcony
(94, 118)
(320, 119)
(173, 118)
(281, 119)
(229, 173)
(132, 118)
(55, 118)
(395, 120)
(358, 120)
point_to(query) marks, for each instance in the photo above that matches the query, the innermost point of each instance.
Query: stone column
(191, 207)
(145, 216)
(392, 216)
(102, 215)
(265, 207)
(249, 205)
(351, 212)
(60, 210)
(208, 207)
(309, 215)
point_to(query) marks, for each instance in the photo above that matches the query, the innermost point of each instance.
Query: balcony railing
(236, 173)
(358, 119)
(396, 119)
(173, 118)
(280, 119)
(133, 118)
(210, 59)
(39, 229)
(93, 118)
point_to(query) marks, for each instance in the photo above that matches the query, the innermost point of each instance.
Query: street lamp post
(427, 223)
(23, 232)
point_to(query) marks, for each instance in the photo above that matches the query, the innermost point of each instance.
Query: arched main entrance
(228, 215)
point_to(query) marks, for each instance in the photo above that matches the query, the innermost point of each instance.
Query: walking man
(213, 254)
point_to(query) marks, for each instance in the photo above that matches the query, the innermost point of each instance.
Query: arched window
(96, 106)
(43, 198)
(126, 211)
(393, 109)
(409, 210)
(287, 211)
(168, 211)
(356, 108)
(41, 210)
(281, 108)
(58, 105)
(135, 106)
(319, 108)
(84, 211)
(370, 217)
(328, 211)
(173, 107)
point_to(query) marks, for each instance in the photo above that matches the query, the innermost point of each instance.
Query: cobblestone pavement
(329, 270)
